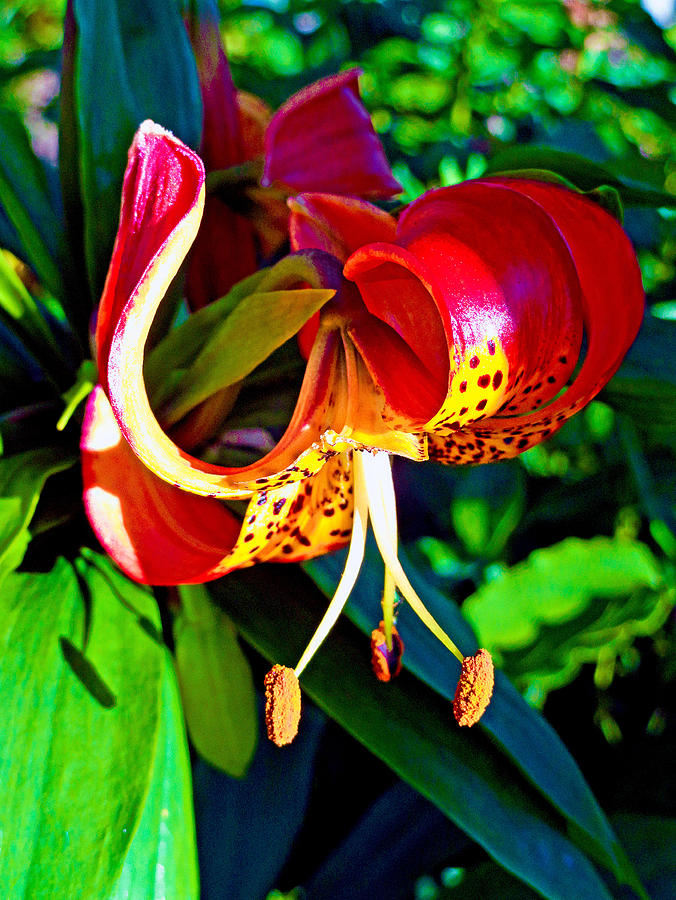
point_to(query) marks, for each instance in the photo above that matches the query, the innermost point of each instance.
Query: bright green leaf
(256, 327)
(219, 699)
(569, 604)
(162, 858)
(75, 780)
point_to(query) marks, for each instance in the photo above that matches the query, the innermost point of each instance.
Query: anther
(474, 689)
(386, 662)
(282, 704)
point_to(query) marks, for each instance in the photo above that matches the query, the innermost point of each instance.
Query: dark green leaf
(579, 170)
(645, 385)
(28, 203)
(137, 56)
(411, 728)
(219, 700)
(521, 732)
(78, 772)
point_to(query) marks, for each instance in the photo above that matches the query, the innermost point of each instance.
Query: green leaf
(513, 724)
(645, 385)
(22, 478)
(575, 602)
(29, 204)
(579, 170)
(23, 316)
(162, 858)
(410, 727)
(219, 699)
(137, 57)
(257, 326)
(75, 781)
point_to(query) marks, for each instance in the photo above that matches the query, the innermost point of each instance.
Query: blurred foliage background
(565, 557)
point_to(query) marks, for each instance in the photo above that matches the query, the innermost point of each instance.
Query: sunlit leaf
(74, 783)
(568, 604)
(162, 858)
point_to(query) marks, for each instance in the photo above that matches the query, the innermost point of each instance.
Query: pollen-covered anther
(282, 704)
(475, 688)
(386, 663)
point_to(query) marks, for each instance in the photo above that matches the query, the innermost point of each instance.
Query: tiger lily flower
(255, 160)
(449, 333)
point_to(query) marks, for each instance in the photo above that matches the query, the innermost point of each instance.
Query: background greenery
(563, 559)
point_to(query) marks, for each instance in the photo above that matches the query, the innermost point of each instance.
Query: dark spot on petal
(481, 404)
(248, 537)
(497, 380)
(277, 506)
(522, 443)
(563, 360)
(491, 348)
(474, 362)
(464, 410)
(484, 381)
(463, 387)
(551, 379)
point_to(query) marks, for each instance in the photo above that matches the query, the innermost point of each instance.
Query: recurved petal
(162, 200)
(155, 532)
(611, 308)
(322, 139)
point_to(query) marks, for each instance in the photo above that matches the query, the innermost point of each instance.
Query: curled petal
(162, 200)
(611, 309)
(155, 532)
(322, 139)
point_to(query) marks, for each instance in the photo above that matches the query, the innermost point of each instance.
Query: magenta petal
(322, 139)
(155, 532)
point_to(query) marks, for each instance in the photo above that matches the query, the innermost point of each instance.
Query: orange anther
(282, 704)
(474, 689)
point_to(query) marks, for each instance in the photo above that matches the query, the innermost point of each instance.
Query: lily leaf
(69, 748)
(582, 172)
(410, 727)
(162, 858)
(22, 478)
(521, 732)
(254, 329)
(219, 700)
(145, 45)
(28, 203)
(577, 601)
(645, 386)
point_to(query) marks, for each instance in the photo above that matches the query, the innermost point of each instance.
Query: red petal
(162, 196)
(322, 139)
(611, 307)
(338, 225)
(157, 533)
(222, 140)
(224, 251)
